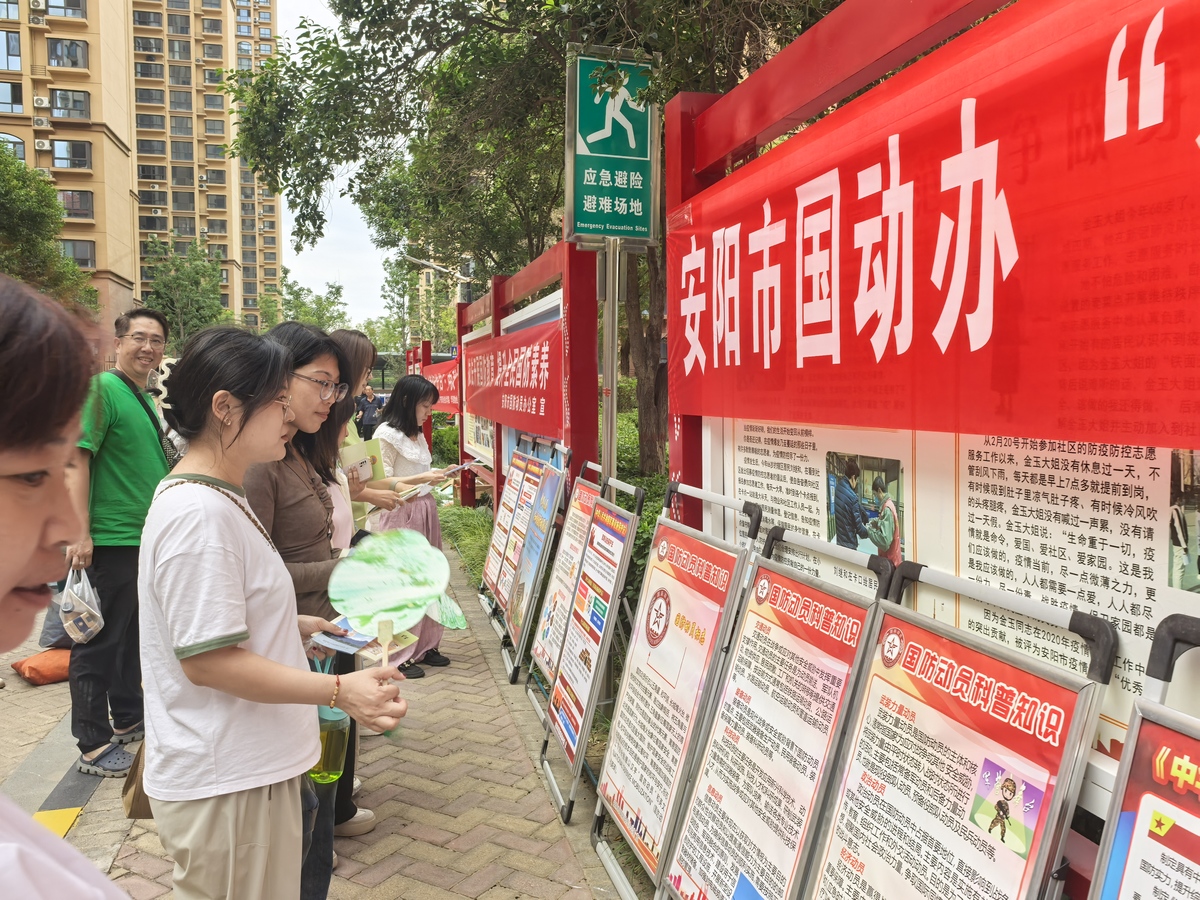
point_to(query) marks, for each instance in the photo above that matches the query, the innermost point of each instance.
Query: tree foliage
(298, 303)
(186, 288)
(31, 219)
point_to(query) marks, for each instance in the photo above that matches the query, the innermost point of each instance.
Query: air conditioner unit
(41, 102)
(156, 211)
(204, 231)
(41, 122)
(37, 20)
(154, 187)
(203, 186)
(202, 178)
(199, 61)
(39, 5)
(41, 144)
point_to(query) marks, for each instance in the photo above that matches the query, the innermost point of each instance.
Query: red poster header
(445, 378)
(706, 569)
(827, 622)
(517, 379)
(1001, 238)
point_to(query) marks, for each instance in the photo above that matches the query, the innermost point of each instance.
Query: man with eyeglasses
(121, 461)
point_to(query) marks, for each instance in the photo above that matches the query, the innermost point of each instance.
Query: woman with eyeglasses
(230, 725)
(46, 361)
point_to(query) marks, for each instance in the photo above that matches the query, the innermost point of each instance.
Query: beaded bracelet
(337, 686)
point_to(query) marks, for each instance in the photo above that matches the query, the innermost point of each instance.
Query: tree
(301, 304)
(185, 288)
(31, 219)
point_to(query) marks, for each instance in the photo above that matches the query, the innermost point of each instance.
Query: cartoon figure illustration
(1008, 790)
(612, 113)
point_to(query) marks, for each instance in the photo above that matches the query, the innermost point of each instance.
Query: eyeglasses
(156, 343)
(285, 402)
(328, 388)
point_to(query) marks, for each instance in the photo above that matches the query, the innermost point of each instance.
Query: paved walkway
(463, 809)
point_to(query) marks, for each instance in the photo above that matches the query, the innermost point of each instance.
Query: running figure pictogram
(612, 113)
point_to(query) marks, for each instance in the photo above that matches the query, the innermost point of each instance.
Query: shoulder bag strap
(164, 442)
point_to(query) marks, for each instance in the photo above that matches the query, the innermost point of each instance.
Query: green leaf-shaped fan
(447, 613)
(394, 575)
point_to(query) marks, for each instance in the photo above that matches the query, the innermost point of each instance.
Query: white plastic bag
(80, 608)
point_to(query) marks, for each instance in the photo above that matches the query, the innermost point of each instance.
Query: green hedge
(445, 447)
(470, 531)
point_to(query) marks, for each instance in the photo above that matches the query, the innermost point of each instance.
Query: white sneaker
(362, 823)
(357, 787)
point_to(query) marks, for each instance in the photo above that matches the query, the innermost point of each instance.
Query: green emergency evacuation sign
(612, 150)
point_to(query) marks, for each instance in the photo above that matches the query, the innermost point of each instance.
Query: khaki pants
(240, 846)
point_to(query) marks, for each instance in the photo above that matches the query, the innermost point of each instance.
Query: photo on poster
(1182, 534)
(866, 504)
(1007, 806)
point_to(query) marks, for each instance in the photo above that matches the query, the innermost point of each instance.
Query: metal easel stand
(515, 653)
(1174, 636)
(881, 566)
(608, 859)
(482, 594)
(1099, 634)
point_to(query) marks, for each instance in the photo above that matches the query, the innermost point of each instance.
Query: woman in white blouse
(406, 454)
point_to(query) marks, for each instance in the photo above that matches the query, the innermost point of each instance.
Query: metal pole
(612, 279)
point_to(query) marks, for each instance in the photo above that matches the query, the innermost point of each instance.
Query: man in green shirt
(121, 462)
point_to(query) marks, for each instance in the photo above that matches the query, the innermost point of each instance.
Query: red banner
(445, 378)
(1003, 238)
(517, 379)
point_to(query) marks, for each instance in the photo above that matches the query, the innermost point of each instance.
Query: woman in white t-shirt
(45, 362)
(230, 724)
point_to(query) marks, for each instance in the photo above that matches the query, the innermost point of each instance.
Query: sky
(346, 253)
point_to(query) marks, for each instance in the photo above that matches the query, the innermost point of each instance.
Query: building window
(152, 198)
(269, 256)
(250, 303)
(216, 176)
(179, 4)
(9, 9)
(247, 224)
(247, 176)
(216, 201)
(179, 24)
(179, 49)
(265, 48)
(67, 54)
(11, 98)
(147, 70)
(210, 4)
(250, 272)
(147, 19)
(268, 241)
(181, 126)
(147, 45)
(148, 96)
(250, 288)
(218, 226)
(264, 17)
(214, 101)
(181, 101)
(214, 151)
(72, 9)
(14, 143)
(225, 300)
(213, 51)
(247, 193)
(210, 26)
(10, 51)
(181, 247)
(264, 32)
(270, 272)
(250, 319)
(78, 204)
(214, 126)
(183, 201)
(243, 47)
(181, 75)
(152, 223)
(249, 256)
(268, 209)
(72, 154)
(247, 209)
(224, 276)
(217, 251)
(268, 224)
(73, 104)
(154, 123)
(182, 150)
(212, 76)
(183, 176)
(83, 252)
(245, 63)
(245, 31)
(152, 148)
(249, 240)
(185, 226)
(152, 173)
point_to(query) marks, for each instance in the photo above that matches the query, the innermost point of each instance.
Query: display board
(522, 513)
(1151, 844)
(589, 630)
(564, 576)
(505, 510)
(528, 584)
(959, 771)
(797, 652)
(516, 378)
(689, 588)
(444, 376)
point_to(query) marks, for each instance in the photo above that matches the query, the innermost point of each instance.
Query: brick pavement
(462, 807)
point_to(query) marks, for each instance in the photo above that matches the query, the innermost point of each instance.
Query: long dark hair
(306, 343)
(359, 351)
(224, 358)
(400, 411)
(46, 359)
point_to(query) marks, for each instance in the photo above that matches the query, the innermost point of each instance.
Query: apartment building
(66, 85)
(119, 103)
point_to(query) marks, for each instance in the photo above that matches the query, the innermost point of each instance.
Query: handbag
(133, 793)
(168, 448)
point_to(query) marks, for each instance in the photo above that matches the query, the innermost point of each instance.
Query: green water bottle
(335, 736)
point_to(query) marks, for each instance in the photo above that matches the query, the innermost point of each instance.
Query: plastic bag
(54, 636)
(80, 608)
